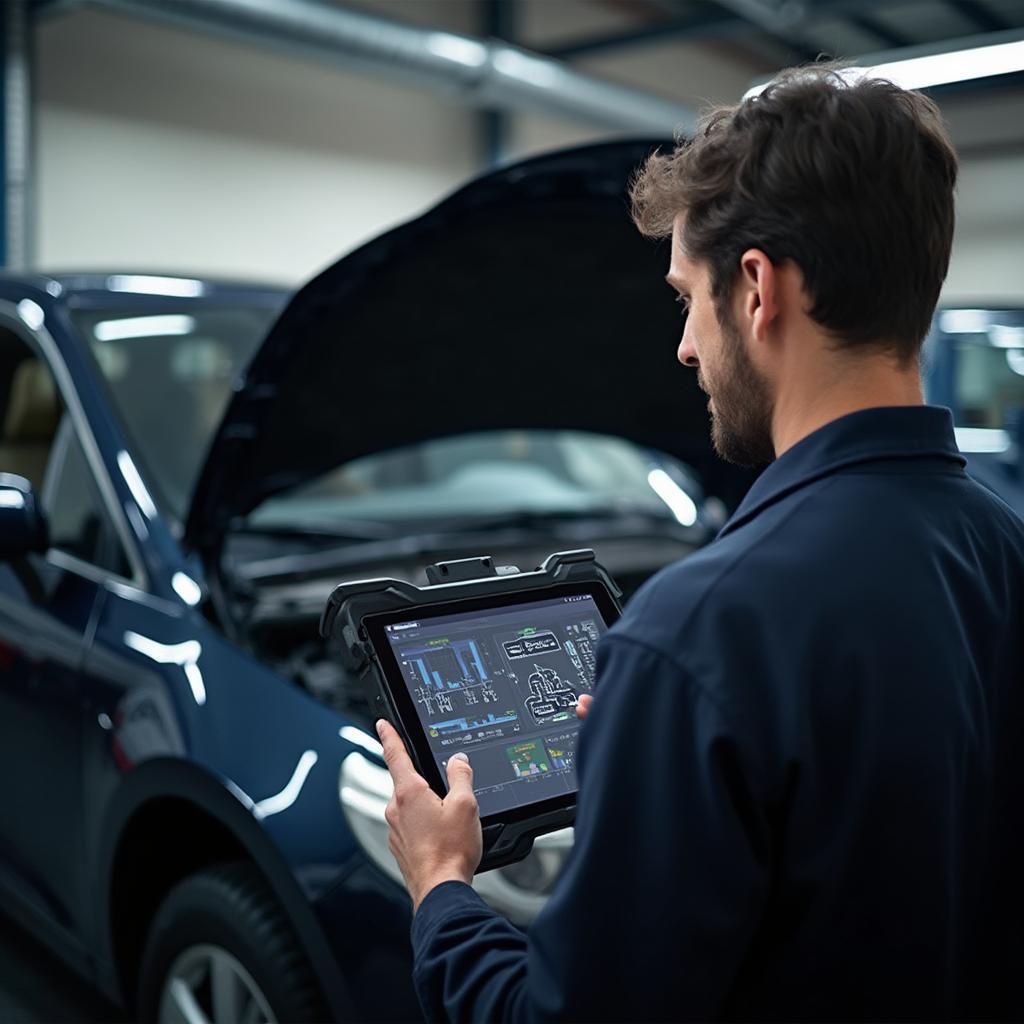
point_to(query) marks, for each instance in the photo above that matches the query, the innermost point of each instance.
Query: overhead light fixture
(931, 69)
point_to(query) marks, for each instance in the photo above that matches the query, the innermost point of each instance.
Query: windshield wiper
(347, 530)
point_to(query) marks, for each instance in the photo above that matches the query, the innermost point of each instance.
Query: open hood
(527, 299)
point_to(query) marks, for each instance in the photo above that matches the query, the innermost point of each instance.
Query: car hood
(527, 299)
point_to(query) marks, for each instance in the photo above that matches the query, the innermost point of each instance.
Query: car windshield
(989, 382)
(170, 373)
(451, 481)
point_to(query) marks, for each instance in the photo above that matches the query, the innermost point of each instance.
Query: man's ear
(759, 292)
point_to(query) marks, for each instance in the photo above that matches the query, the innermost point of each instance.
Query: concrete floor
(36, 988)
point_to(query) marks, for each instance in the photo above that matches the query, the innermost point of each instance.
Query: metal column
(495, 124)
(17, 236)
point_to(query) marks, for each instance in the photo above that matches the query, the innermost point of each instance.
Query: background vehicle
(974, 362)
(174, 740)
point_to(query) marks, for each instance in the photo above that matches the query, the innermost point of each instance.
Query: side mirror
(23, 526)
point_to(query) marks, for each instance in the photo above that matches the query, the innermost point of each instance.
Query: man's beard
(741, 424)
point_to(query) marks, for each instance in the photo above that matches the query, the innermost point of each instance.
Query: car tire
(221, 945)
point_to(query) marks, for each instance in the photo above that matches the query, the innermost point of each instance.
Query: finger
(583, 705)
(395, 755)
(460, 775)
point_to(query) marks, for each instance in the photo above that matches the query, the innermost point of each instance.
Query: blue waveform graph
(481, 722)
(452, 665)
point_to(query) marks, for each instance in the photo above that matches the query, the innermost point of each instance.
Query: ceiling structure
(777, 33)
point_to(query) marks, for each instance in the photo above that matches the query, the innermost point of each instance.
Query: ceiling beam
(706, 22)
(482, 73)
(981, 17)
(886, 35)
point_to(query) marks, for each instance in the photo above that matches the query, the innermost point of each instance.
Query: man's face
(740, 400)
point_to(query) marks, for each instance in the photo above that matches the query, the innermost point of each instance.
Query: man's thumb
(460, 774)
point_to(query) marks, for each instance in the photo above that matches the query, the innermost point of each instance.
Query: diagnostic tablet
(491, 665)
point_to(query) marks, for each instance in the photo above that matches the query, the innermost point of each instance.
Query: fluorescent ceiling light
(964, 321)
(143, 327)
(933, 69)
(149, 284)
(958, 66)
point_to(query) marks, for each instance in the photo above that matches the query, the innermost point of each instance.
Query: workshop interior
(300, 294)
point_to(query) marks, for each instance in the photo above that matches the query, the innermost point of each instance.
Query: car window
(80, 523)
(169, 372)
(38, 442)
(30, 410)
(489, 473)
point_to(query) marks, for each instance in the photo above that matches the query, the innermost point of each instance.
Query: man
(801, 777)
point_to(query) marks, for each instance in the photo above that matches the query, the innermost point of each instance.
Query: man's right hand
(586, 699)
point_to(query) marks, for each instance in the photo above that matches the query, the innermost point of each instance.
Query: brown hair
(852, 179)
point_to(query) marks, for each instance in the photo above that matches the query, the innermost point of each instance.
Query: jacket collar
(899, 432)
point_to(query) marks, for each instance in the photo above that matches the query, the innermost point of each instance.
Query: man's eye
(685, 303)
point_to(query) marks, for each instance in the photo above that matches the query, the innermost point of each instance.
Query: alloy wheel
(208, 985)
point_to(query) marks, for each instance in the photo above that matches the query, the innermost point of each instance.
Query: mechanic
(802, 774)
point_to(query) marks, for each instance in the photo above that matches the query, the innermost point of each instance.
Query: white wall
(170, 150)
(166, 149)
(988, 250)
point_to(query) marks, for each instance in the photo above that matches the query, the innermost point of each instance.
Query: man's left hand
(433, 840)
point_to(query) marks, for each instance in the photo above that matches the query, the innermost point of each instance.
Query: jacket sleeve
(664, 887)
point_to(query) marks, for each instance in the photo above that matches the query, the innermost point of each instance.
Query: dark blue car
(193, 798)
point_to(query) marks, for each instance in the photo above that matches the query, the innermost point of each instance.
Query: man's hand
(583, 705)
(433, 840)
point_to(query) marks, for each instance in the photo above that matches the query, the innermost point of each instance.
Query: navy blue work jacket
(802, 777)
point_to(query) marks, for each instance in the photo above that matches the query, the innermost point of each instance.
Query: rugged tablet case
(465, 578)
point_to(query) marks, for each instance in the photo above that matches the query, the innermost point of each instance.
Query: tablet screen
(502, 684)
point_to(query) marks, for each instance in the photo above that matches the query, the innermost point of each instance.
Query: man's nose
(687, 354)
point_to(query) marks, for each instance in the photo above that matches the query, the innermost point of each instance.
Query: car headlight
(518, 891)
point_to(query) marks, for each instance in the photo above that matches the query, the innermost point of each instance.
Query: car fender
(169, 779)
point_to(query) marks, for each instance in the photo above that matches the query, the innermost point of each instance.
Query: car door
(48, 605)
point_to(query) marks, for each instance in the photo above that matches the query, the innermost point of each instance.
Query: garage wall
(988, 251)
(166, 149)
(169, 150)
